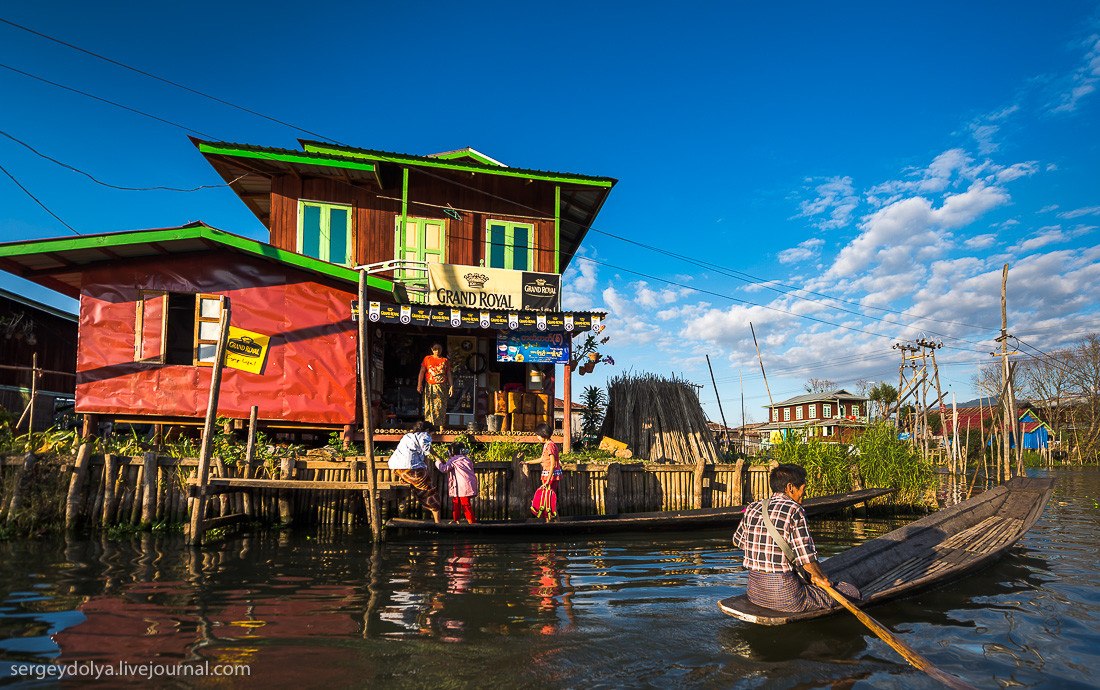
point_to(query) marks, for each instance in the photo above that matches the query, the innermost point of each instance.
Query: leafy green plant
(594, 400)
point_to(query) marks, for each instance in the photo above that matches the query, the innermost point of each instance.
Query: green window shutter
(325, 231)
(510, 245)
(422, 239)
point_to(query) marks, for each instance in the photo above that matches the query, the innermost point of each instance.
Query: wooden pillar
(738, 487)
(613, 499)
(76, 485)
(517, 491)
(368, 424)
(250, 461)
(567, 400)
(22, 485)
(698, 484)
(286, 471)
(110, 469)
(198, 512)
(149, 489)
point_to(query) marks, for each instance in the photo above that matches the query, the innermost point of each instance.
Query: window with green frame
(421, 239)
(324, 231)
(510, 245)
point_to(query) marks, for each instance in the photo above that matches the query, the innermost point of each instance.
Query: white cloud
(836, 200)
(1050, 234)
(983, 129)
(980, 241)
(1084, 79)
(805, 250)
(1078, 212)
(911, 230)
(578, 284)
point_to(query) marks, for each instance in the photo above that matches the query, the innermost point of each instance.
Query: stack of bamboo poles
(659, 419)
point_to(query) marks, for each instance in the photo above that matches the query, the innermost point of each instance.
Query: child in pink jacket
(461, 481)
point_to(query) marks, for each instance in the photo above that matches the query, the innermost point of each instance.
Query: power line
(104, 100)
(168, 81)
(37, 200)
(767, 284)
(105, 184)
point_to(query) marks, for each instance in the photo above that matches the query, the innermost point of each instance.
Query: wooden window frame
(826, 411)
(139, 327)
(510, 244)
(798, 413)
(326, 230)
(812, 411)
(786, 414)
(199, 320)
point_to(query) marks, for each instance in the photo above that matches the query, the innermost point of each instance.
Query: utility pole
(1008, 394)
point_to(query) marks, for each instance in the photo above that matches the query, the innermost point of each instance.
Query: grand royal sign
(476, 287)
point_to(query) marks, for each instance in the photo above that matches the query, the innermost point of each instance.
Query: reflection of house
(490, 241)
(28, 328)
(831, 416)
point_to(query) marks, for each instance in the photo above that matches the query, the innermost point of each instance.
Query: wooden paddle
(911, 655)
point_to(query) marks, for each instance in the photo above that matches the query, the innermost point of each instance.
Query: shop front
(503, 366)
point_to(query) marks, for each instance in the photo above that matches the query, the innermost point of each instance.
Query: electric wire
(105, 184)
(104, 100)
(37, 200)
(167, 81)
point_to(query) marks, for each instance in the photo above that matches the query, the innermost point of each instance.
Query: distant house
(832, 416)
(27, 329)
(578, 411)
(978, 415)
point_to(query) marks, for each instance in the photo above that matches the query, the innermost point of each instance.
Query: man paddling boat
(773, 581)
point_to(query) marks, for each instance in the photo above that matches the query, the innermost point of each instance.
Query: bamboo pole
(908, 653)
(198, 512)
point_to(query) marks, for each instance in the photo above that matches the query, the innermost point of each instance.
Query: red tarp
(309, 375)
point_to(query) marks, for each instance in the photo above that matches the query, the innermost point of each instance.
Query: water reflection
(631, 610)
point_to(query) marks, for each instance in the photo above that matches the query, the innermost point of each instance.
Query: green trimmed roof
(249, 171)
(444, 161)
(59, 263)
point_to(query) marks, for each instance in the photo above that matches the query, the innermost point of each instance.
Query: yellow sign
(246, 350)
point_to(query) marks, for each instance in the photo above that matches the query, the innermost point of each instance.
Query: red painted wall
(309, 375)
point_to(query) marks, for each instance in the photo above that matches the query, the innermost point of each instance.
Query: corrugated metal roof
(840, 394)
(59, 263)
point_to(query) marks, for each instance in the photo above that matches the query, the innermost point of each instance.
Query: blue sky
(843, 176)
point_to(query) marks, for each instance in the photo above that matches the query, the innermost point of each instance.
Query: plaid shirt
(761, 552)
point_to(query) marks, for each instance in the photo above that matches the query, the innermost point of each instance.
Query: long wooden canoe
(631, 522)
(935, 549)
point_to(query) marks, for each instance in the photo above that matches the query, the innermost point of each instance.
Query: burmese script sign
(477, 287)
(548, 348)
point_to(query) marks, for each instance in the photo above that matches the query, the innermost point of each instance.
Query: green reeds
(879, 457)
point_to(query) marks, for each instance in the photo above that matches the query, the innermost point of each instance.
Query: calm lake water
(633, 610)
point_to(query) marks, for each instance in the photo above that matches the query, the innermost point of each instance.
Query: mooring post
(198, 511)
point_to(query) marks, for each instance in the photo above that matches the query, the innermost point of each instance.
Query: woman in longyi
(434, 383)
